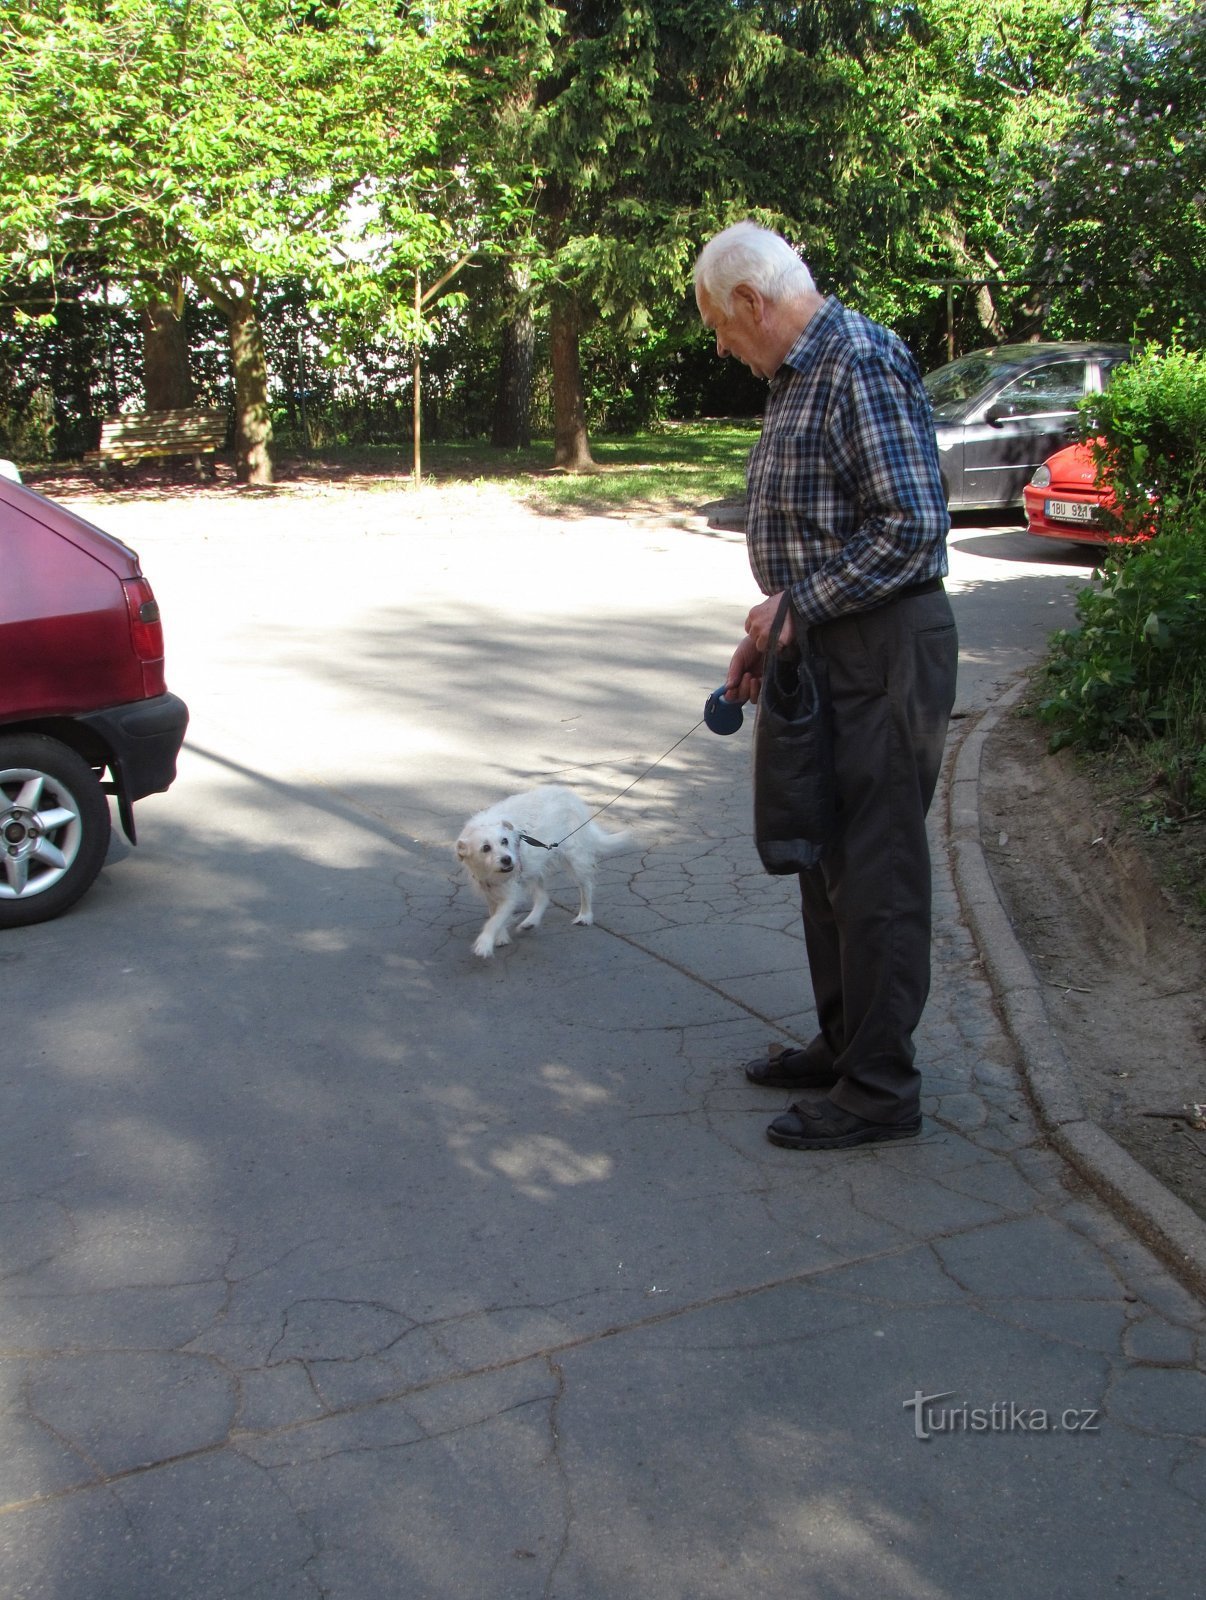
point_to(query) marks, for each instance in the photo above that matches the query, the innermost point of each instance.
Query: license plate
(1070, 510)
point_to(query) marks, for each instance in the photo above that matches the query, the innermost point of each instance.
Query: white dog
(503, 850)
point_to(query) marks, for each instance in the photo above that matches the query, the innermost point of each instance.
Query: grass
(668, 468)
(678, 466)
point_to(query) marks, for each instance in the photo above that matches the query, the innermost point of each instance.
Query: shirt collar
(798, 355)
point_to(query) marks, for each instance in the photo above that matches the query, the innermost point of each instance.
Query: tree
(166, 376)
(228, 143)
(642, 126)
(1123, 207)
(512, 422)
(949, 112)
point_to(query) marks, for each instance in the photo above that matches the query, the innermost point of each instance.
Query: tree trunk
(253, 420)
(513, 403)
(571, 447)
(987, 314)
(166, 382)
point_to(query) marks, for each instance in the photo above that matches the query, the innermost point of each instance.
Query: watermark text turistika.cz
(1003, 1416)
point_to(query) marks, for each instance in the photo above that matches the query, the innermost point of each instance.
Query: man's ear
(751, 301)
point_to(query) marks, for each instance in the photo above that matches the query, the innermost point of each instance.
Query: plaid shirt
(845, 500)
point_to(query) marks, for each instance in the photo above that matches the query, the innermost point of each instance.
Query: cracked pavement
(337, 1262)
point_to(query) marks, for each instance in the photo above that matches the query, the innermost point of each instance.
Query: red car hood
(1072, 468)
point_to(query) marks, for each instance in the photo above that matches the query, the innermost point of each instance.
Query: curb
(1171, 1228)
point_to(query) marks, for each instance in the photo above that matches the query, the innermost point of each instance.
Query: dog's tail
(609, 843)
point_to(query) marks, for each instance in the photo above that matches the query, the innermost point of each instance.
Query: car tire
(54, 828)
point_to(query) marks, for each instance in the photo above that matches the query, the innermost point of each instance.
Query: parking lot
(338, 1261)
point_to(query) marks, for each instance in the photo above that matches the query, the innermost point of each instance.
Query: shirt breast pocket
(787, 473)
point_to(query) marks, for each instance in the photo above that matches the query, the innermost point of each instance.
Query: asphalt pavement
(337, 1261)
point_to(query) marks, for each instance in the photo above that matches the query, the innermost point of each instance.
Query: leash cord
(540, 845)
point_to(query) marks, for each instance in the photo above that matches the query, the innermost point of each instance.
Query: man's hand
(761, 620)
(744, 681)
(745, 673)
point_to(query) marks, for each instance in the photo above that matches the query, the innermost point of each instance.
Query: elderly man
(846, 513)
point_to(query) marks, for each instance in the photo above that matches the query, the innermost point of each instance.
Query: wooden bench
(139, 434)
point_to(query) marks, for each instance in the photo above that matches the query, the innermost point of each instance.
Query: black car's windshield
(950, 388)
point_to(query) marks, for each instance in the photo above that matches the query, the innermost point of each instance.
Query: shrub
(1135, 669)
(1149, 433)
(1140, 650)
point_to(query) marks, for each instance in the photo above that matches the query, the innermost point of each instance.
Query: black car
(1000, 413)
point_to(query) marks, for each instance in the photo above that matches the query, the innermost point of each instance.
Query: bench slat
(151, 433)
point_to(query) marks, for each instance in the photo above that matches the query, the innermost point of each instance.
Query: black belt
(930, 586)
(909, 592)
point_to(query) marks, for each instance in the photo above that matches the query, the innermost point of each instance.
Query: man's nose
(722, 349)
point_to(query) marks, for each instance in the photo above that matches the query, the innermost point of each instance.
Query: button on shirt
(844, 492)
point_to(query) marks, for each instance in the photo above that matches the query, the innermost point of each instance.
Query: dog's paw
(486, 943)
(584, 919)
(528, 922)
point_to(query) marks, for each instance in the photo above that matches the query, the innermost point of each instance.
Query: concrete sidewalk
(338, 1262)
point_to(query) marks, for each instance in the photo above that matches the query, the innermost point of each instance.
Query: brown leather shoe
(784, 1068)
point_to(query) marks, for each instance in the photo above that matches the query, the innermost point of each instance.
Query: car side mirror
(995, 415)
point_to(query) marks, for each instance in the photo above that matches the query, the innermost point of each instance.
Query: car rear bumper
(143, 739)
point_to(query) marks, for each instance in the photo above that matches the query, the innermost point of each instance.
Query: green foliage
(1136, 667)
(951, 119)
(1150, 428)
(27, 425)
(1120, 210)
(1135, 670)
(329, 152)
(230, 144)
(219, 138)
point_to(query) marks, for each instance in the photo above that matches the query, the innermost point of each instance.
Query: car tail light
(146, 633)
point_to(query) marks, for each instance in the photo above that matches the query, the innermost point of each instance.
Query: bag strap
(804, 663)
(772, 643)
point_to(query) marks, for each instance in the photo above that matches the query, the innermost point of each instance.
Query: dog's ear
(510, 827)
(462, 847)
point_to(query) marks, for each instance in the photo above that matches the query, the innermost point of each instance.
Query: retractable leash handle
(721, 715)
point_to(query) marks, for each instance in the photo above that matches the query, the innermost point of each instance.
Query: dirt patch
(176, 479)
(1121, 960)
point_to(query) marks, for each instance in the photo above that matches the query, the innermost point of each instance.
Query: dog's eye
(505, 842)
(486, 849)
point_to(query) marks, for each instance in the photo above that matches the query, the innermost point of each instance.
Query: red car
(84, 708)
(1063, 500)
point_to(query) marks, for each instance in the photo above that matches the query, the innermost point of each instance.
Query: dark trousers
(866, 907)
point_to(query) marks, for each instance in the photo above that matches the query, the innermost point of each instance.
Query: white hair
(746, 253)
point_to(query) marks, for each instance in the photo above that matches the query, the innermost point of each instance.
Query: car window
(1059, 387)
(951, 387)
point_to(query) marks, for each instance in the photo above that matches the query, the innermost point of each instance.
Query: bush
(1149, 433)
(1135, 669)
